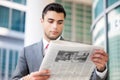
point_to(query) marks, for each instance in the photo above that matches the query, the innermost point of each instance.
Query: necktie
(46, 48)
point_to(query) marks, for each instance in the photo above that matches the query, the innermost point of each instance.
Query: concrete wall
(33, 29)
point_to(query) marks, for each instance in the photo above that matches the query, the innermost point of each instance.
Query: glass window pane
(20, 1)
(10, 62)
(99, 33)
(16, 58)
(3, 62)
(110, 2)
(4, 16)
(18, 20)
(68, 21)
(98, 8)
(114, 43)
(59, 1)
(0, 62)
(82, 23)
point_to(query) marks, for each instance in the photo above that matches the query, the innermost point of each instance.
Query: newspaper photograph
(69, 60)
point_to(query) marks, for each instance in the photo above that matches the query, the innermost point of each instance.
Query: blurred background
(94, 22)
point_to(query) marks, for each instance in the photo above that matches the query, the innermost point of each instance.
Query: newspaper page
(69, 60)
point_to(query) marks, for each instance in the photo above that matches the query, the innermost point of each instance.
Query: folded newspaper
(69, 60)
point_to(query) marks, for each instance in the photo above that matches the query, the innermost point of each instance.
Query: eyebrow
(53, 19)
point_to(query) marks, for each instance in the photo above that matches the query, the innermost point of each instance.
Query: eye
(50, 21)
(60, 22)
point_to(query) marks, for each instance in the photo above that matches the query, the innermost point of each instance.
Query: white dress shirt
(45, 43)
(101, 74)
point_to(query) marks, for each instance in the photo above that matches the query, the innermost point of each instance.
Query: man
(31, 58)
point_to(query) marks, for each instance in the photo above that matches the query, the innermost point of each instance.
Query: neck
(48, 40)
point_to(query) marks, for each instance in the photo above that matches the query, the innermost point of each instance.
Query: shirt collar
(45, 42)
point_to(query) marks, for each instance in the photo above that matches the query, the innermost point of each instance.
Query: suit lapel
(36, 56)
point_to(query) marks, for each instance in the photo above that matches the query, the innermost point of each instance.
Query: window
(99, 32)
(19, 1)
(68, 21)
(4, 16)
(110, 2)
(3, 62)
(114, 43)
(12, 19)
(8, 61)
(18, 20)
(99, 8)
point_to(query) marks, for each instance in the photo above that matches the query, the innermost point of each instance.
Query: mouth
(54, 32)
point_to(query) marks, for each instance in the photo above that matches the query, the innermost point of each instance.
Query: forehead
(54, 15)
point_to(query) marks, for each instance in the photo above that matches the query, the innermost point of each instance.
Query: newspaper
(69, 60)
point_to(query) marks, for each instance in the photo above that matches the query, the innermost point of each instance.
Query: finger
(43, 77)
(40, 73)
(100, 54)
(100, 65)
(100, 57)
(44, 72)
(99, 61)
(39, 78)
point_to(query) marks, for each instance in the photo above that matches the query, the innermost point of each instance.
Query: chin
(53, 38)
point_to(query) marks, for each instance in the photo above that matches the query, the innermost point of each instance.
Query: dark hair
(53, 7)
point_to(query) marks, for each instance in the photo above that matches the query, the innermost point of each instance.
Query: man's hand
(39, 75)
(100, 58)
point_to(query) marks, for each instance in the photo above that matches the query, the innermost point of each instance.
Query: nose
(55, 25)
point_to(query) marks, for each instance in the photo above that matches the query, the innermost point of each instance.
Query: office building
(12, 27)
(78, 20)
(106, 32)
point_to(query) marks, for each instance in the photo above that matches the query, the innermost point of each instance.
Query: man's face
(53, 23)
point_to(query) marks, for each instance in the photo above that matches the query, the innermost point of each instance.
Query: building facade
(78, 21)
(20, 26)
(12, 27)
(106, 32)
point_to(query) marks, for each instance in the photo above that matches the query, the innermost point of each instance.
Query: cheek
(46, 26)
(46, 30)
(61, 28)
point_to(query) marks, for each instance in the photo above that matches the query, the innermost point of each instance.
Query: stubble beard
(52, 38)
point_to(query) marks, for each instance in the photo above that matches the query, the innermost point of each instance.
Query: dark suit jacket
(30, 60)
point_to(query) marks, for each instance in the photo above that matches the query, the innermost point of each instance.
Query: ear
(41, 20)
